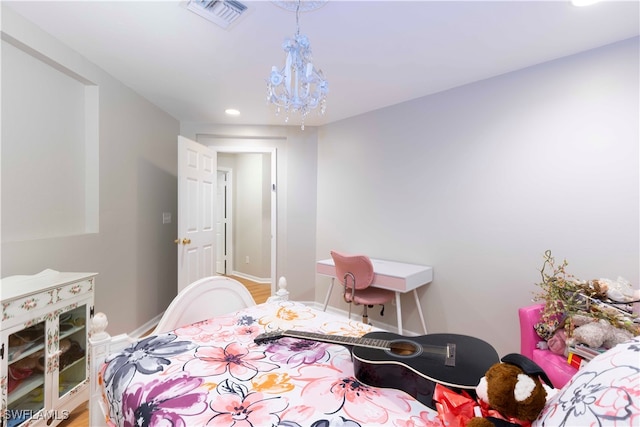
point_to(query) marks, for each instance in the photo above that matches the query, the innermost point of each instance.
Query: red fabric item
(488, 412)
(456, 409)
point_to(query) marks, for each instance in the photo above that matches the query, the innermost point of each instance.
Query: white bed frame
(200, 300)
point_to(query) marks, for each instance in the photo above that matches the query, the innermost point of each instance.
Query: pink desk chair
(355, 272)
(554, 365)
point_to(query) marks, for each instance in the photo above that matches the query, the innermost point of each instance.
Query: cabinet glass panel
(26, 372)
(72, 361)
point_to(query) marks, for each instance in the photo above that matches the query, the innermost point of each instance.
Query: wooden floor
(260, 293)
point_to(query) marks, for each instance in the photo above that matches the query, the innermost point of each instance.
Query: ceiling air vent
(221, 12)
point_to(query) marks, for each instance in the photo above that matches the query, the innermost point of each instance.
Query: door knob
(186, 241)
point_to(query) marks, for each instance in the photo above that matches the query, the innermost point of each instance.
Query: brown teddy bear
(514, 389)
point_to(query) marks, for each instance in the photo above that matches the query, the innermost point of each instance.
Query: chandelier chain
(298, 18)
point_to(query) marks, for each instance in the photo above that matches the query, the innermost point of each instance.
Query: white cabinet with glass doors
(44, 369)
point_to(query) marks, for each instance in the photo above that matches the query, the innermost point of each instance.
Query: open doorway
(246, 214)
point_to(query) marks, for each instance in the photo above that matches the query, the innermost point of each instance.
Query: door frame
(228, 229)
(274, 211)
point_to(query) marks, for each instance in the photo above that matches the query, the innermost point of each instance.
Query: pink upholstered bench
(554, 365)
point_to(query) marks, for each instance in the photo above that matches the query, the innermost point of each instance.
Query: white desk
(395, 276)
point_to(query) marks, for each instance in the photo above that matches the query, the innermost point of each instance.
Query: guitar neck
(398, 346)
(337, 339)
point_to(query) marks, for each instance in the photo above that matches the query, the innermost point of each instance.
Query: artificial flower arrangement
(596, 313)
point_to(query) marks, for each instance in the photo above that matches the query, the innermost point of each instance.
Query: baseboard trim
(262, 280)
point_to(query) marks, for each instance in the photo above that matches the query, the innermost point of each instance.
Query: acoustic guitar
(411, 364)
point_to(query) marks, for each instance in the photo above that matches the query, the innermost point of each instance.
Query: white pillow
(605, 392)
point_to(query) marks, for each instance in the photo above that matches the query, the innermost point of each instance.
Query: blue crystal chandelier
(298, 87)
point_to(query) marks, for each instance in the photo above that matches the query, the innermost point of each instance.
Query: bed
(212, 373)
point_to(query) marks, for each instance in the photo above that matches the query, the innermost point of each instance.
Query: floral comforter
(213, 374)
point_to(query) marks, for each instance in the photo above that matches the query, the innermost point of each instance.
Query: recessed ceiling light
(232, 112)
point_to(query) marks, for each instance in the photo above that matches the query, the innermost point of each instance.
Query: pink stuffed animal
(558, 342)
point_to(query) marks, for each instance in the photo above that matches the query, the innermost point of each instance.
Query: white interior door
(197, 167)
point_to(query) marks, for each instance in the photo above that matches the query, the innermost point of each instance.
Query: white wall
(48, 160)
(248, 227)
(133, 252)
(251, 213)
(480, 180)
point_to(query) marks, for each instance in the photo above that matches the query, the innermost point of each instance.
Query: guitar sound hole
(404, 348)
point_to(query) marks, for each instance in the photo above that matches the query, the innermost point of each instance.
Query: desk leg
(424, 326)
(326, 299)
(399, 306)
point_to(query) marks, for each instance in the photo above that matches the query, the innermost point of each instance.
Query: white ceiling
(373, 53)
